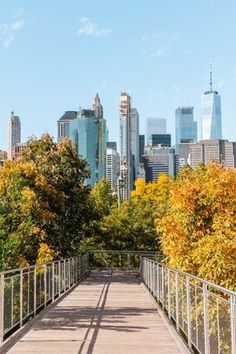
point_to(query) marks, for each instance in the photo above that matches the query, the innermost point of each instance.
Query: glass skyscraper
(88, 133)
(185, 126)
(211, 114)
(155, 126)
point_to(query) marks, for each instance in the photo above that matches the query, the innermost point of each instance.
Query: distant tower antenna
(210, 77)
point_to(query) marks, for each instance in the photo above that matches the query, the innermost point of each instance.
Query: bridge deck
(106, 313)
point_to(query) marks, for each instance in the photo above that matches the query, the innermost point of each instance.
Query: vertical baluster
(168, 293)
(69, 272)
(35, 289)
(162, 287)
(53, 280)
(2, 285)
(21, 297)
(188, 312)
(28, 293)
(233, 322)
(59, 278)
(12, 301)
(45, 284)
(177, 299)
(158, 284)
(64, 265)
(206, 319)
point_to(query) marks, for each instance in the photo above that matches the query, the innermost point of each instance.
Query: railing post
(149, 274)
(59, 278)
(158, 284)
(21, 297)
(206, 319)
(35, 290)
(188, 312)
(154, 280)
(2, 285)
(168, 286)
(177, 299)
(45, 285)
(233, 323)
(150, 266)
(69, 272)
(53, 281)
(64, 275)
(162, 287)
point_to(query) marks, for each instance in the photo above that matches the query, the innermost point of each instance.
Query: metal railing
(202, 312)
(26, 291)
(120, 258)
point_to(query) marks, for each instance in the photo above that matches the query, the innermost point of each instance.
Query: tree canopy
(199, 228)
(45, 209)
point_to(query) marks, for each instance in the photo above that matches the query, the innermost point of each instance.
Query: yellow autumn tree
(199, 227)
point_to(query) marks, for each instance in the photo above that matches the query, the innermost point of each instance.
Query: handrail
(208, 283)
(202, 312)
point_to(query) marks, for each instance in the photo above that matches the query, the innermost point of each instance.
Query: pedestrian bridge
(119, 303)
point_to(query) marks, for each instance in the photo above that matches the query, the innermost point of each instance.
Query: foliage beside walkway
(45, 209)
(198, 229)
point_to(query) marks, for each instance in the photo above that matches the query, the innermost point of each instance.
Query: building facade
(14, 133)
(185, 126)
(125, 145)
(141, 146)
(17, 150)
(155, 126)
(219, 151)
(160, 160)
(112, 165)
(3, 157)
(161, 139)
(230, 154)
(134, 142)
(63, 125)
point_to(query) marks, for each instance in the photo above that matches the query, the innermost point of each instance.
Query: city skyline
(166, 68)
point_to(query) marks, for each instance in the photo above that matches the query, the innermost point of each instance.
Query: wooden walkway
(105, 314)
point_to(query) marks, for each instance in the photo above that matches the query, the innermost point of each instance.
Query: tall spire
(210, 76)
(97, 107)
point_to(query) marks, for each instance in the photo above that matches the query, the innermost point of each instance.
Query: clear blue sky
(56, 54)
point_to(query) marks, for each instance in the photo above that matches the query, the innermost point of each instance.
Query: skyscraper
(141, 146)
(14, 133)
(125, 144)
(134, 141)
(63, 125)
(112, 165)
(211, 114)
(155, 126)
(185, 126)
(88, 132)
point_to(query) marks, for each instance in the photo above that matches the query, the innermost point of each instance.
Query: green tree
(103, 197)
(45, 208)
